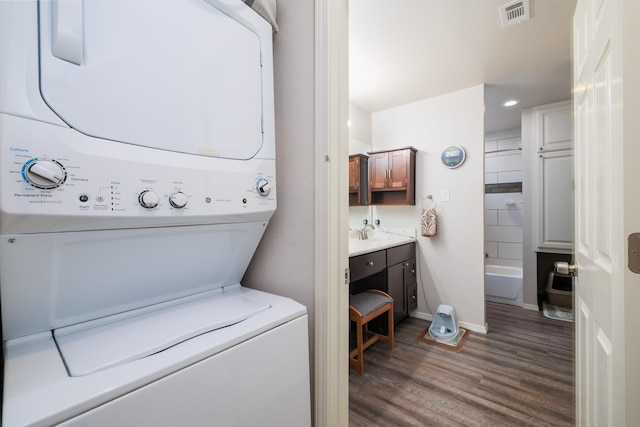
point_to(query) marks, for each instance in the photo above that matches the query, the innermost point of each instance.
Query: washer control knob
(178, 200)
(263, 187)
(148, 199)
(44, 173)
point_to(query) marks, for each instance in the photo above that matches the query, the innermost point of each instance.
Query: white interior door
(606, 295)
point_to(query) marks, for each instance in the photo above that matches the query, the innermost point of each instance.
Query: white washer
(137, 177)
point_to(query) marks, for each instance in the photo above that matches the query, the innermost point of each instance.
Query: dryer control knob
(263, 187)
(178, 199)
(148, 199)
(44, 173)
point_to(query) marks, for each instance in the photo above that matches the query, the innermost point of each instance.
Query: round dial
(44, 173)
(263, 187)
(178, 199)
(148, 199)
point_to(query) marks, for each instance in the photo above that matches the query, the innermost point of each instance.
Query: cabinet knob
(370, 263)
(406, 264)
(413, 271)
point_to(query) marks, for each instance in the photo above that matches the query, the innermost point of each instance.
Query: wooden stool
(364, 307)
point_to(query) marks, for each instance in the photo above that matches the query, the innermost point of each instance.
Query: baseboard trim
(532, 307)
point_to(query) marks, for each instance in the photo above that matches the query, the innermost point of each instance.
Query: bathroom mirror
(358, 147)
(357, 214)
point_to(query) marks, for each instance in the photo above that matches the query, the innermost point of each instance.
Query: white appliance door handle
(68, 30)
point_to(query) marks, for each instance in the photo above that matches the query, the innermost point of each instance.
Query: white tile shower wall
(504, 211)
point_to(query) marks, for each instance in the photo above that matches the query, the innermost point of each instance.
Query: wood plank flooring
(519, 374)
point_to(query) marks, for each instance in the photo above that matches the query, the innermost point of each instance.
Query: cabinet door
(410, 266)
(412, 297)
(555, 201)
(412, 285)
(396, 288)
(554, 125)
(398, 176)
(354, 174)
(378, 170)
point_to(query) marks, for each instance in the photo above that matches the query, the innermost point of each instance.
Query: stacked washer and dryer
(137, 175)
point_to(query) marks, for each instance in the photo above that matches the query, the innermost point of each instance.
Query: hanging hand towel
(429, 222)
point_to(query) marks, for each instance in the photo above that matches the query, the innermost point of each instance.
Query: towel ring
(430, 197)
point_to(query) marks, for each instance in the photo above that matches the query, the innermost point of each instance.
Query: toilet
(445, 324)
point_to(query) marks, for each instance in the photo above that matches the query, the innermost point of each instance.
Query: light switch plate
(444, 195)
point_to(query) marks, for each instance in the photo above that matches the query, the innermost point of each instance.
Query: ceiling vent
(514, 12)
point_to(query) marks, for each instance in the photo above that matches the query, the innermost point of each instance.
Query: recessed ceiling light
(510, 103)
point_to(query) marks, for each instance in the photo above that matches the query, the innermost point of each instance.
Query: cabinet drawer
(367, 264)
(401, 253)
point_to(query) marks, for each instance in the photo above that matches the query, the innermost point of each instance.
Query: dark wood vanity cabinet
(392, 270)
(401, 279)
(358, 180)
(392, 176)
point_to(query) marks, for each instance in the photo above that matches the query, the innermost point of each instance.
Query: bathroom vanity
(387, 263)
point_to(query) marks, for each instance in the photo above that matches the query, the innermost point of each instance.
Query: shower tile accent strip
(507, 187)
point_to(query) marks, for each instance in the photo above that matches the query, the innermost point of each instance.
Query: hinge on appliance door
(261, 58)
(347, 276)
(262, 124)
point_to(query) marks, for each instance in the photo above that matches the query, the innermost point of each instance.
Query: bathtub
(503, 284)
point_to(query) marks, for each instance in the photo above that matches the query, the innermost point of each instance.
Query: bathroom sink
(377, 240)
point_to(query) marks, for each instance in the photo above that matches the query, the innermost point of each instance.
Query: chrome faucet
(362, 234)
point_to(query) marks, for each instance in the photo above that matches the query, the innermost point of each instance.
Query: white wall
(504, 211)
(450, 265)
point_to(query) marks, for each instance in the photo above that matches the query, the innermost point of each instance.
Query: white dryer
(137, 177)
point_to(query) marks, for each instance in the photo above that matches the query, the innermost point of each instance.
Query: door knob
(568, 268)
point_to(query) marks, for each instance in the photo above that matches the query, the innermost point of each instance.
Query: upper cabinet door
(354, 173)
(378, 170)
(398, 169)
(174, 75)
(555, 127)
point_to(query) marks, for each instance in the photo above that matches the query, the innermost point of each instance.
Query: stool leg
(360, 344)
(390, 334)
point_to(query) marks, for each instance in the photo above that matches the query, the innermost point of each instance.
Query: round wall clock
(452, 156)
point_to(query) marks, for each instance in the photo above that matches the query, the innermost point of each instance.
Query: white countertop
(378, 240)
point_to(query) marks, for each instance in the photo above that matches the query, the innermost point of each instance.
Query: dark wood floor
(519, 374)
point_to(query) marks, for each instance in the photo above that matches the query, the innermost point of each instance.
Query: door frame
(331, 157)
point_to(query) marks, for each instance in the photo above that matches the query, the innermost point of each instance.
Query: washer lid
(112, 341)
(174, 75)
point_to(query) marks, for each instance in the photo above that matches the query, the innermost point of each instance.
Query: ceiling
(402, 51)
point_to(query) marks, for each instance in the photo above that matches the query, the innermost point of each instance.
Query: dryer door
(174, 75)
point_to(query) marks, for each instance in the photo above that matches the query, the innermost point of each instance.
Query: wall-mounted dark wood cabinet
(358, 180)
(392, 177)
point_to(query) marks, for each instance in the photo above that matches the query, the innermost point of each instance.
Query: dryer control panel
(76, 177)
